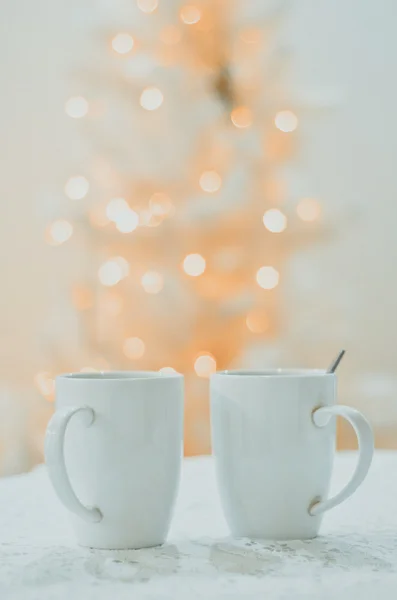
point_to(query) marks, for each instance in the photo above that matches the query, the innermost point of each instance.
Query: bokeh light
(160, 205)
(167, 370)
(205, 364)
(267, 277)
(152, 282)
(76, 107)
(45, 383)
(147, 6)
(151, 98)
(274, 220)
(257, 321)
(77, 187)
(59, 232)
(110, 272)
(210, 181)
(134, 347)
(286, 121)
(122, 43)
(190, 14)
(241, 117)
(194, 265)
(128, 221)
(115, 208)
(308, 209)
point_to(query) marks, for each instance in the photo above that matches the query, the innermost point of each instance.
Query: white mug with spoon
(273, 436)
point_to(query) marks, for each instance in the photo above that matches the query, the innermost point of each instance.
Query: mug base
(120, 545)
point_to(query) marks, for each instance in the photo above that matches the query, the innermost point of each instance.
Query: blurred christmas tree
(186, 218)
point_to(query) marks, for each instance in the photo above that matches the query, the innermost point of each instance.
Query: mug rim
(274, 373)
(118, 375)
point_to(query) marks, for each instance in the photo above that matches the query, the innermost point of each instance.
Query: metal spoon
(334, 365)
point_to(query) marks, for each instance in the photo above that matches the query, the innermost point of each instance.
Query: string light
(190, 14)
(77, 187)
(170, 35)
(308, 209)
(167, 370)
(110, 272)
(122, 43)
(251, 35)
(210, 181)
(194, 265)
(45, 383)
(286, 121)
(147, 6)
(274, 220)
(205, 364)
(257, 321)
(151, 98)
(133, 347)
(59, 232)
(152, 282)
(241, 117)
(76, 107)
(267, 278)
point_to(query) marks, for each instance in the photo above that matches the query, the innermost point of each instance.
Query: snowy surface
(355, 556)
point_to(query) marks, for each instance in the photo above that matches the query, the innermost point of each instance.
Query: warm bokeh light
(151, 98)
(160, 205)
(257, 321)
(252, 35)
(59, 232)
(128, 221)
(115, 208)
(241, 117)
(122, 43)
(82, 297)
(123, 264)
(112, 303)
(167, 370)
(190, 14)
(76, 107)
(147, 6)
(308, 209)
(286, 121)
(45, 383)
(274, 220)
(170, 35)
(194, 265)
(77, 187)
(205, 365)
(133, 347)
(210, 181)
(267, 278)
(110, 272)
(152, 282)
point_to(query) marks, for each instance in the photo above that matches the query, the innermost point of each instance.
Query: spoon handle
(334, 365)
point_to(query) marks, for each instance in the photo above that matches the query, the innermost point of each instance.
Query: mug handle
(55, 460)
(321, 416)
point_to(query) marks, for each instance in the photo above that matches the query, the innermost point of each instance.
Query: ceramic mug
(273, 436)
(113, 450)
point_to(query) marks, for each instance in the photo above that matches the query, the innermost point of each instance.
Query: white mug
(273, 436)
(113, 450)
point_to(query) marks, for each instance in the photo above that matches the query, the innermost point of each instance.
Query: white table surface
(354, 558)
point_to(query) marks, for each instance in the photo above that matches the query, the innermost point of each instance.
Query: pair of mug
(114, 452)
